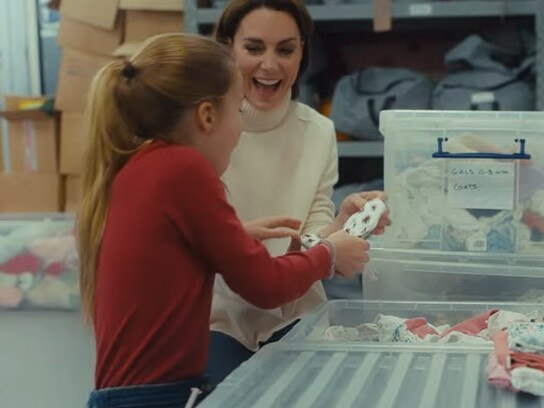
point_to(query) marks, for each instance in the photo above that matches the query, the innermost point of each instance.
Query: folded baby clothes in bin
(39, 264)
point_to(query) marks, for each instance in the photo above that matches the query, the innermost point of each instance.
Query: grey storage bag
(359, 98)
(484, 77)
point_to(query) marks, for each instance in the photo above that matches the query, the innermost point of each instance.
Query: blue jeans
(226, 354)
(173, 395)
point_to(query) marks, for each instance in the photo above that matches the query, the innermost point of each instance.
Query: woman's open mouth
(266, 84)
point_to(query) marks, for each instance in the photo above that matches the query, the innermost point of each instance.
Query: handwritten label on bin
(482, 185)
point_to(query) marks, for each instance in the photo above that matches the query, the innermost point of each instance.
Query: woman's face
(268, 51)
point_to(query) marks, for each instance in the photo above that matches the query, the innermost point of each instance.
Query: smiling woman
(281, 174)
(268, 47)
(270, 39)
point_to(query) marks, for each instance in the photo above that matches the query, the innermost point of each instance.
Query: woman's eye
(286, 51)
(253, 49)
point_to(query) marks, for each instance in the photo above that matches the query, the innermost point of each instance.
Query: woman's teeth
(275, 83)
(268, 81)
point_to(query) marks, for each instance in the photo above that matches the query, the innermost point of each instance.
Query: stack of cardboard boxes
(93, 33)
(29, 180)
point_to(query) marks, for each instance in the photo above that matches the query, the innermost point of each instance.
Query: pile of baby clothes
(39, 265)
(517, 362)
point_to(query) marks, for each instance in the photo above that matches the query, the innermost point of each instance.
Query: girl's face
(229, 125)
(268, 50)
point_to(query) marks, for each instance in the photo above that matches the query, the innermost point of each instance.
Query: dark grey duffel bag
(484, 76)
(360, 97)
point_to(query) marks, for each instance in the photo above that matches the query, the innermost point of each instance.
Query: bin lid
(282, 375)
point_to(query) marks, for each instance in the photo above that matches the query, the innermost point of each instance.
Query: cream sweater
(285, 164)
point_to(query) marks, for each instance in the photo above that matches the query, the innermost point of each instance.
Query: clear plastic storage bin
(352, 313)
(39, 265)
(416, 275)
(386, 376)
(465, 181)
(466, 197)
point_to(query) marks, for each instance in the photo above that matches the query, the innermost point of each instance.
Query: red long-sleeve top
(169, 229)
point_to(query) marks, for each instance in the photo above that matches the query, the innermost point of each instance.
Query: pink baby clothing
(474, 325)
(420, 327)
(497, 374)
(55, 269)
(24, 262)
(533, 221)
(500, 340)
(530, 360)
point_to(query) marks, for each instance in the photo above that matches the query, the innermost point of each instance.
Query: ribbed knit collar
(256, 120)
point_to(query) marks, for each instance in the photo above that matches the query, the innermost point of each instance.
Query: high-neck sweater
(286, 163)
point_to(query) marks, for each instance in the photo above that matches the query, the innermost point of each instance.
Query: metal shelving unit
(360, 149)
(443, 9)
(429, 12)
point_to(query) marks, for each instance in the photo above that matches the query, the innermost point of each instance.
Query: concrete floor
(46, 360)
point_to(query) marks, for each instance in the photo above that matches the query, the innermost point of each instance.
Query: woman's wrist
(330, 229)
(332, 252)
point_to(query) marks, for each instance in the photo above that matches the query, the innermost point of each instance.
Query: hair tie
(129, 70)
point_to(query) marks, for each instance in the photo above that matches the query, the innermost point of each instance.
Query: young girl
(155, 226)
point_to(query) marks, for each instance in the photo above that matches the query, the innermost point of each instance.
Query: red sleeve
(196, 203)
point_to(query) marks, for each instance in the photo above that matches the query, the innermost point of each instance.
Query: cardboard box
(33, 137)
(140, 25)
(72, 143)
(127, 50)
(77, 70)
(85, 37)
(100, 13)
(26, 192)
(74, 193)
(160, 5)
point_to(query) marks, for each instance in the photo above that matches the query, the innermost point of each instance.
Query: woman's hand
(354, 202)
(351, 254)
(274, 227)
